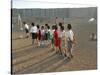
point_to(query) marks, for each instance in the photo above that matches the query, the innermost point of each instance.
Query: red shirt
(56, 38)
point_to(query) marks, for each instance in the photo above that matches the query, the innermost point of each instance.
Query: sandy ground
(27, 59)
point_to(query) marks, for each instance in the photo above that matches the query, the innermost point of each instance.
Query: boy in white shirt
(70, 41)
(59, 36)
(33, 31)
(26, 29)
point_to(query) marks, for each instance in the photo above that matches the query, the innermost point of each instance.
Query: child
(33, 30)
(26, 29)
(59, 36)
(56, 40)
(49, 36)
(32, 33)
(52, 38)
(70, 41)
(46, 34)
(62, 40)
(42, 35)
(38, 34)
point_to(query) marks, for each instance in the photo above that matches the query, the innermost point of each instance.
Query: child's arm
(74, 40)
(65, 39)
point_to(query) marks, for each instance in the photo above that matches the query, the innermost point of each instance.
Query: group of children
(56, 37)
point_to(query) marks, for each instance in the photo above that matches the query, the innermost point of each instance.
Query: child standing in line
(42, 35)
(38, 35)
(32, 32)
(62, 40)
(70, 41)
(46, 34)
(56, 40)
(59, 36)
(49, 36)
(52, 38)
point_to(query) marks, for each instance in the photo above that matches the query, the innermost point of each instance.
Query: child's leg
(52, 44)
(69, 53)
(72, 50)
(38, 42)
(59, 45)
(63, 51)
(49, 43)
(66, 52)
(55, 49)
(69, 49)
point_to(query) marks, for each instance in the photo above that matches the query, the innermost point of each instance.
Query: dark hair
(42, 27)
(48, 27)
(38, 26)
(60, 24)
(55, 27)
(62, 28)
(24, 22)
(69, 26)
(32, 24)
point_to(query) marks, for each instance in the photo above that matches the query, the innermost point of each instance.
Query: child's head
(32, 24)
(38, 26)
(55, 27)
(60, 24)
(48, 27)
(42, 27)
(62, 28)
(24, 22)
(69, 27)
(52, 27)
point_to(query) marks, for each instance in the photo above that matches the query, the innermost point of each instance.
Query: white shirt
(42, 32)
(33, 29)
(62, 34)
(70, 35)
(51, 33)
(49, 30)
(26, 26)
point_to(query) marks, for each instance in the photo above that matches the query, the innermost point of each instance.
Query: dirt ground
(29, 59)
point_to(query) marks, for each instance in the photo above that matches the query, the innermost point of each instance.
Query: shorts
(59, 39)
(34, 35)
(46, 36)
(69, 45)
(62, 44)
(26, 30)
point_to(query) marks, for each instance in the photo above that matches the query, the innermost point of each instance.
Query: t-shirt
(33, 29)
(49, 36)
(26, 26)
(51, 33)
(42, 32)
(70, 35)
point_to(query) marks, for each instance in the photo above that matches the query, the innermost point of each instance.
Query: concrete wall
(83, 12)
(41, 15)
